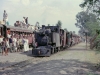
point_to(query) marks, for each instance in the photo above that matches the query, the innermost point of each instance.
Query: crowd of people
(22, 23)
(13, 44)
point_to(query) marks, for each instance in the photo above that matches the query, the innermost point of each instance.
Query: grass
(91, 74)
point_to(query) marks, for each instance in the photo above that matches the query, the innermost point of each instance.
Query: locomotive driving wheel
(52, 50)
(58, 49)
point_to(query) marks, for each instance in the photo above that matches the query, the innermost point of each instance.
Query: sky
(44, 11)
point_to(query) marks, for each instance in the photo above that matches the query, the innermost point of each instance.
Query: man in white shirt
(5, 17)
(1, 39)
(24, 20)
(8, 35)
(14, 44)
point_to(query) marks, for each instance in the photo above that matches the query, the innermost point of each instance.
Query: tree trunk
(94, 44)
(92, 40)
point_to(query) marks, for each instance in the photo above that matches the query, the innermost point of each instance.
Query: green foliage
(87, 2)
(92, 5)
(59, 23)
(92, 27)
(48, 24)
(37, 24)
(98, 31)
(66, 29)
(90, 74)
(86, 21)
(83, 17)
(98, 38)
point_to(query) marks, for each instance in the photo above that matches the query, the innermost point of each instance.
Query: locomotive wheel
(55, 50)
(32, 51)
(59, 48)
(52, 51)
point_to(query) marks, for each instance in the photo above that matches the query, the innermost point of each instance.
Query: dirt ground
(72, 61)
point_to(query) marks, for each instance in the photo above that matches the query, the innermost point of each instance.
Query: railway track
(34, 60)
(22, 64)
(19, 66)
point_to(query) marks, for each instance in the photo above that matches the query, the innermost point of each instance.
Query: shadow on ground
(81, 49)
(55, 67)
(28, 53)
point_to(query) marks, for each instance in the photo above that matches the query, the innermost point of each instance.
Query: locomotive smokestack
(43, 26)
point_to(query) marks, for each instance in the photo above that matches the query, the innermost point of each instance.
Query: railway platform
(13, 58)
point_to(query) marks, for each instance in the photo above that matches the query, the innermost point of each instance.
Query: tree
(66, 29)
(37, 25)
(48, 24)
(92, 5)
(74, 32)
(82, 18)
(59, 23)
(92, 27)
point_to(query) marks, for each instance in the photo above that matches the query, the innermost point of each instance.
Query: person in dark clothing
(21, 43)
(10, 43)
(4, 47)
(71, 42)
(26, 20)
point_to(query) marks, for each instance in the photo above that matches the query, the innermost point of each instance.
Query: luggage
(1, 22)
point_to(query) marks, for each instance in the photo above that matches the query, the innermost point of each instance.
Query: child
(7, 45)
(4, 47)
(17, 45)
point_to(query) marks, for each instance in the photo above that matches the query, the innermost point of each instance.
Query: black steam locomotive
(51, 39)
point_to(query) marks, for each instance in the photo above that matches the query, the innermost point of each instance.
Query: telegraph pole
(86, 40)
(86, 31)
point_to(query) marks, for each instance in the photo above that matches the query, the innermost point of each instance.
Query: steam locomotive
(51, 39)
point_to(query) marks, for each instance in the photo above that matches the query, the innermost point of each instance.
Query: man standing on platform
(11, 43)
(26, 20)
(5, 17)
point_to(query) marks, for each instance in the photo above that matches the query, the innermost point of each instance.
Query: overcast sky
(43, 11)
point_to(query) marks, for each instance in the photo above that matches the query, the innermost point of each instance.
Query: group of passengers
(23, 24)
(13, 44)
